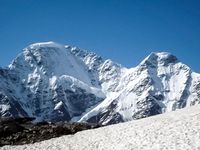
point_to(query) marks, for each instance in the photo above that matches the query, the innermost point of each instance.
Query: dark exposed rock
(15, 110)
(23, 131)
(101, 118)
(151, 106)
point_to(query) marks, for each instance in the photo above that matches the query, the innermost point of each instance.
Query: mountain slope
(170, 131)
(53, 82)
(160, 83)
(48, 82)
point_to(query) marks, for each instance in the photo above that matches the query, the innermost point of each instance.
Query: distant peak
(163, 58)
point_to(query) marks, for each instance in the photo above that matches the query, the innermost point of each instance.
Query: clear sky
(125, 31)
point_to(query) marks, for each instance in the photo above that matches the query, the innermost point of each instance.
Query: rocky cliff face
(160, 83)
(52, 82)
(48, 82)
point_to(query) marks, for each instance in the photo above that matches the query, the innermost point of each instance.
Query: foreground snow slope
(174, 130)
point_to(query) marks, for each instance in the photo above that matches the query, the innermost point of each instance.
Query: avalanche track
(173, 130)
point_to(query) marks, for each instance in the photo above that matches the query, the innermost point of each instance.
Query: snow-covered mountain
(53, 82)
(160, 83)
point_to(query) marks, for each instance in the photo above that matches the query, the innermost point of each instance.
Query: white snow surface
(179, 130)
(57, 60)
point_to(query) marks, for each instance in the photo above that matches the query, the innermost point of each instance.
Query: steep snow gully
(53, 82)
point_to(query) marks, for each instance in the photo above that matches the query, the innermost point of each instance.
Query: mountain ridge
(53, 82)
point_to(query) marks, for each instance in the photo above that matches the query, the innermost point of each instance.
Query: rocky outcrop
(22, 131)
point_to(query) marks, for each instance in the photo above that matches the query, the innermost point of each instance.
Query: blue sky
(124, 30)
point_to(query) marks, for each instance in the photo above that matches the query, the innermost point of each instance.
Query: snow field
(179, 130)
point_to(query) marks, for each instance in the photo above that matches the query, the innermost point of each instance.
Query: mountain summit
(53, 82)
